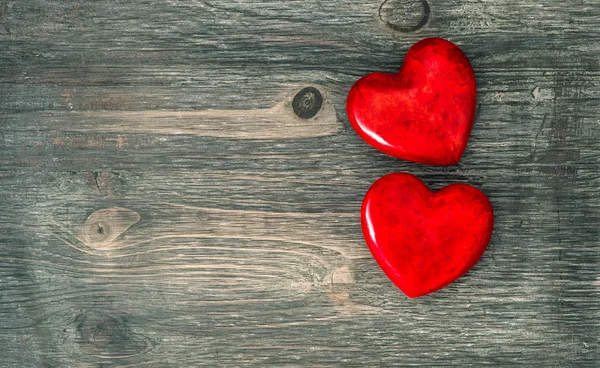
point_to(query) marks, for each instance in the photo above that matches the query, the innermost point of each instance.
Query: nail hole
(307, 102)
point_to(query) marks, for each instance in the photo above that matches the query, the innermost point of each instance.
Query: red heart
(425, 240)
(425, 112)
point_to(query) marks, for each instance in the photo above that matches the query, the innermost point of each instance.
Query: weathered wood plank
(239, 124)
(165, 206)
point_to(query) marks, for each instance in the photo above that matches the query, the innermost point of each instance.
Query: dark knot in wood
(405, 15)
(108, 336)
(103, 227)
(307, 102)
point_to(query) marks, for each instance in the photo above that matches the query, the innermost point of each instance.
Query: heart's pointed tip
(417, 293)
(414, 295)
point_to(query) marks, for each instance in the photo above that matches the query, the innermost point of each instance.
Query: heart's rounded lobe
(425, 112)
(425, 240)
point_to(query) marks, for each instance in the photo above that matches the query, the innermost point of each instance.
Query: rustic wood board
(163, 205)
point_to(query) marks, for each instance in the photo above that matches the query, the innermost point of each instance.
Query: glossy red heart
(425, 112)
(425, 240)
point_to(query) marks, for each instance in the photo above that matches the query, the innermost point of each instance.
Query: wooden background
(163, 205)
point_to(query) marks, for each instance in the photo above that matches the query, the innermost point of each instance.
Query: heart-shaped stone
(425, 112)
(425, 240)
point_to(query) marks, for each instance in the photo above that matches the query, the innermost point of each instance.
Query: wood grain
(277, 122)
(164, 205)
